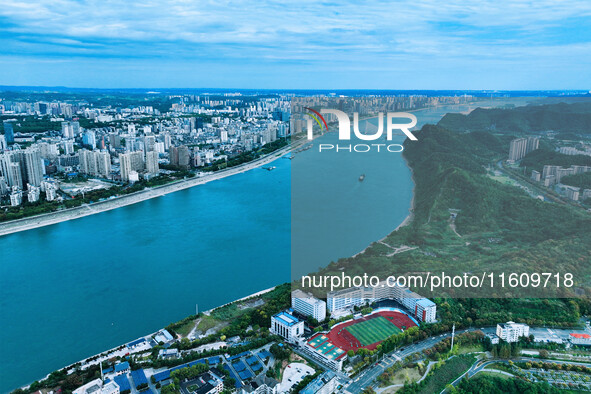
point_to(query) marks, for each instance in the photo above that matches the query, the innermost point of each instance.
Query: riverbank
(121, 350)
(48, 219)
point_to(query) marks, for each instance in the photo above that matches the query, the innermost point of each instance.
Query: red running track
(346, 341)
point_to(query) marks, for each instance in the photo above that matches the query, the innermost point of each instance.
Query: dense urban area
(66, 152)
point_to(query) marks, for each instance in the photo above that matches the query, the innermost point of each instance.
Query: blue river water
(77, 288)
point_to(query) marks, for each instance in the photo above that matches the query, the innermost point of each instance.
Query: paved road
(478, 366)
(370, 375)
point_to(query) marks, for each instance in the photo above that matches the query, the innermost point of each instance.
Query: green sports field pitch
(373, 330)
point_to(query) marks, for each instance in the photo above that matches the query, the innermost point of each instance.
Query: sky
(420, 44)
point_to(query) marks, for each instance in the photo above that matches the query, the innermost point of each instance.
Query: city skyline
(514, 46)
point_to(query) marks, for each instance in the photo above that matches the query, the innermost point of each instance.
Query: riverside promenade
(50, 218)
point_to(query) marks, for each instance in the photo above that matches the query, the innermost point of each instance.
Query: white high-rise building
(67, 130)
(308, 305)
(69, 147)
(133, 161)
(223, 136)
(520, 147)
(149, 141)
(34, 166)
(95, 163)
(15, 175)
(159, 147)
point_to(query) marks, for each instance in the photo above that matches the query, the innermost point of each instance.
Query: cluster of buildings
(129, 144)
(22, 175)
(572, 151)
(552, 175)
(423, 309)
(520, 147)
(287, 325)
(98, 387)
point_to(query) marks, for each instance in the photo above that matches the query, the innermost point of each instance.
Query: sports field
(373, 330)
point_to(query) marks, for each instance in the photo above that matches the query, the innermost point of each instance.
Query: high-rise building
(223, 136)
(95, 163)
(10, 169)
(149, 141)
(532, 144)
(167, 141)
(572, 192)
(8, 132)
(179, 156)
(89, 139)
(520, 147)
(159, 147)
(67, 130)
(3, 186)
(47, 150)
(75, 128)
(133, 161)
(15, 175)
(69, 147)
(20, 167)
(34, 166)
(114, 141)
(3, 143)
(152, 162)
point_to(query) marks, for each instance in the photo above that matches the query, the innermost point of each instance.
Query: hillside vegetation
(498, 228)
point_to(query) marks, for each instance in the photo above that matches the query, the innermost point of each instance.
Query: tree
(168, 389)
(543, 353)
(229, 383)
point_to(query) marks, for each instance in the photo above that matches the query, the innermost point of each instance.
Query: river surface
(77, 288)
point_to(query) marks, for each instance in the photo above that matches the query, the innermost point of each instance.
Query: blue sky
(421, 44)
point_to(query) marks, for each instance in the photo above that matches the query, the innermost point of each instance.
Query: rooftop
(286, 318)
(122, 366)
(425, 303)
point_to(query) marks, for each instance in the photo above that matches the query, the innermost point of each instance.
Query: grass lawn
(495, 374)
(374, 330)
(446, 374)
(405, 375)
(186, 328)
(500, 366)
(206, 323)
(470, 349)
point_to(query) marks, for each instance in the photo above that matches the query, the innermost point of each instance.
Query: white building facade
(511, 331)
(308, 305)
(287, 326)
